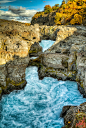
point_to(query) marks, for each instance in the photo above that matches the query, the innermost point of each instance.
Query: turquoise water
(40, 103)
(46, 44)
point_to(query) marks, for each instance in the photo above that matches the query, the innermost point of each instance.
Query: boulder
(73, 115)
(64, 111)
(35, 50)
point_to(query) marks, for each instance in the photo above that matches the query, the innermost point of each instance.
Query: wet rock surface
(73, 115)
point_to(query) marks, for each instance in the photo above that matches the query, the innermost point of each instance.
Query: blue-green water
(46, 44)
(40, 103)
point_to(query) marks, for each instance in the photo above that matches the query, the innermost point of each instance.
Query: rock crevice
(65, 59)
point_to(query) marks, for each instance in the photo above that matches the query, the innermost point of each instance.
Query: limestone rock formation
(66, 58)
(15, 42)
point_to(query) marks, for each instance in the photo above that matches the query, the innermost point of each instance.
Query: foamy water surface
(40, 103)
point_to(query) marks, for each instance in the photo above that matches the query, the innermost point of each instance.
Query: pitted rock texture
(64, 60)
(73, 114)
(15, 42)
(70, 43)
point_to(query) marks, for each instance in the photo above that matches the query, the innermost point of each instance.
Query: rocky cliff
(70, 12)
(46, 19)
(65, 60)
(15, 42)
(74, 116)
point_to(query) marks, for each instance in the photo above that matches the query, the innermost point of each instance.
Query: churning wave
(40, 103)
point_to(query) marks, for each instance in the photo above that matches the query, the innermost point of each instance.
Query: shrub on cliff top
(77, 19)
(59, 17)
(47, 9)
(56, 7)
(74, 12)
(38, 14)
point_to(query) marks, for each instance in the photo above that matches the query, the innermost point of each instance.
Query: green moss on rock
(13, 82)
(80, 82)
(0, 90)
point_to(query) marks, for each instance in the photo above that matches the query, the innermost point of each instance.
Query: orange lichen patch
(5, 52)
(21, 53)
(80, 120)
(69, 122)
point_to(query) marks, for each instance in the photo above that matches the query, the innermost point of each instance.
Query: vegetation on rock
(80, 121)
(72, 12)
(47, 9)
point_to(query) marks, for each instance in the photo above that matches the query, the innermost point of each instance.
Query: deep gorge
(64, 60)
(40, 104)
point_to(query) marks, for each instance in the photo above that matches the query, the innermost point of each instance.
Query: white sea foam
(39, 105)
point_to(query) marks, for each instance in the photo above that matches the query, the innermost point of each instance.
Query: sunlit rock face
(57, 33)
(15, 42)
(68, 51)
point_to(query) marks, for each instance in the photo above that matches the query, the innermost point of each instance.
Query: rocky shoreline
(15, 42)
(65, 60)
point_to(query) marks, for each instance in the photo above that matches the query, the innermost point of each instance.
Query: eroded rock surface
(15, 42)
(35, 50)
(73, 115)
(67, 57)
(64, 60)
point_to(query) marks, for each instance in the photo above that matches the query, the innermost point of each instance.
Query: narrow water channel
(45, 44)
(40, 103)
